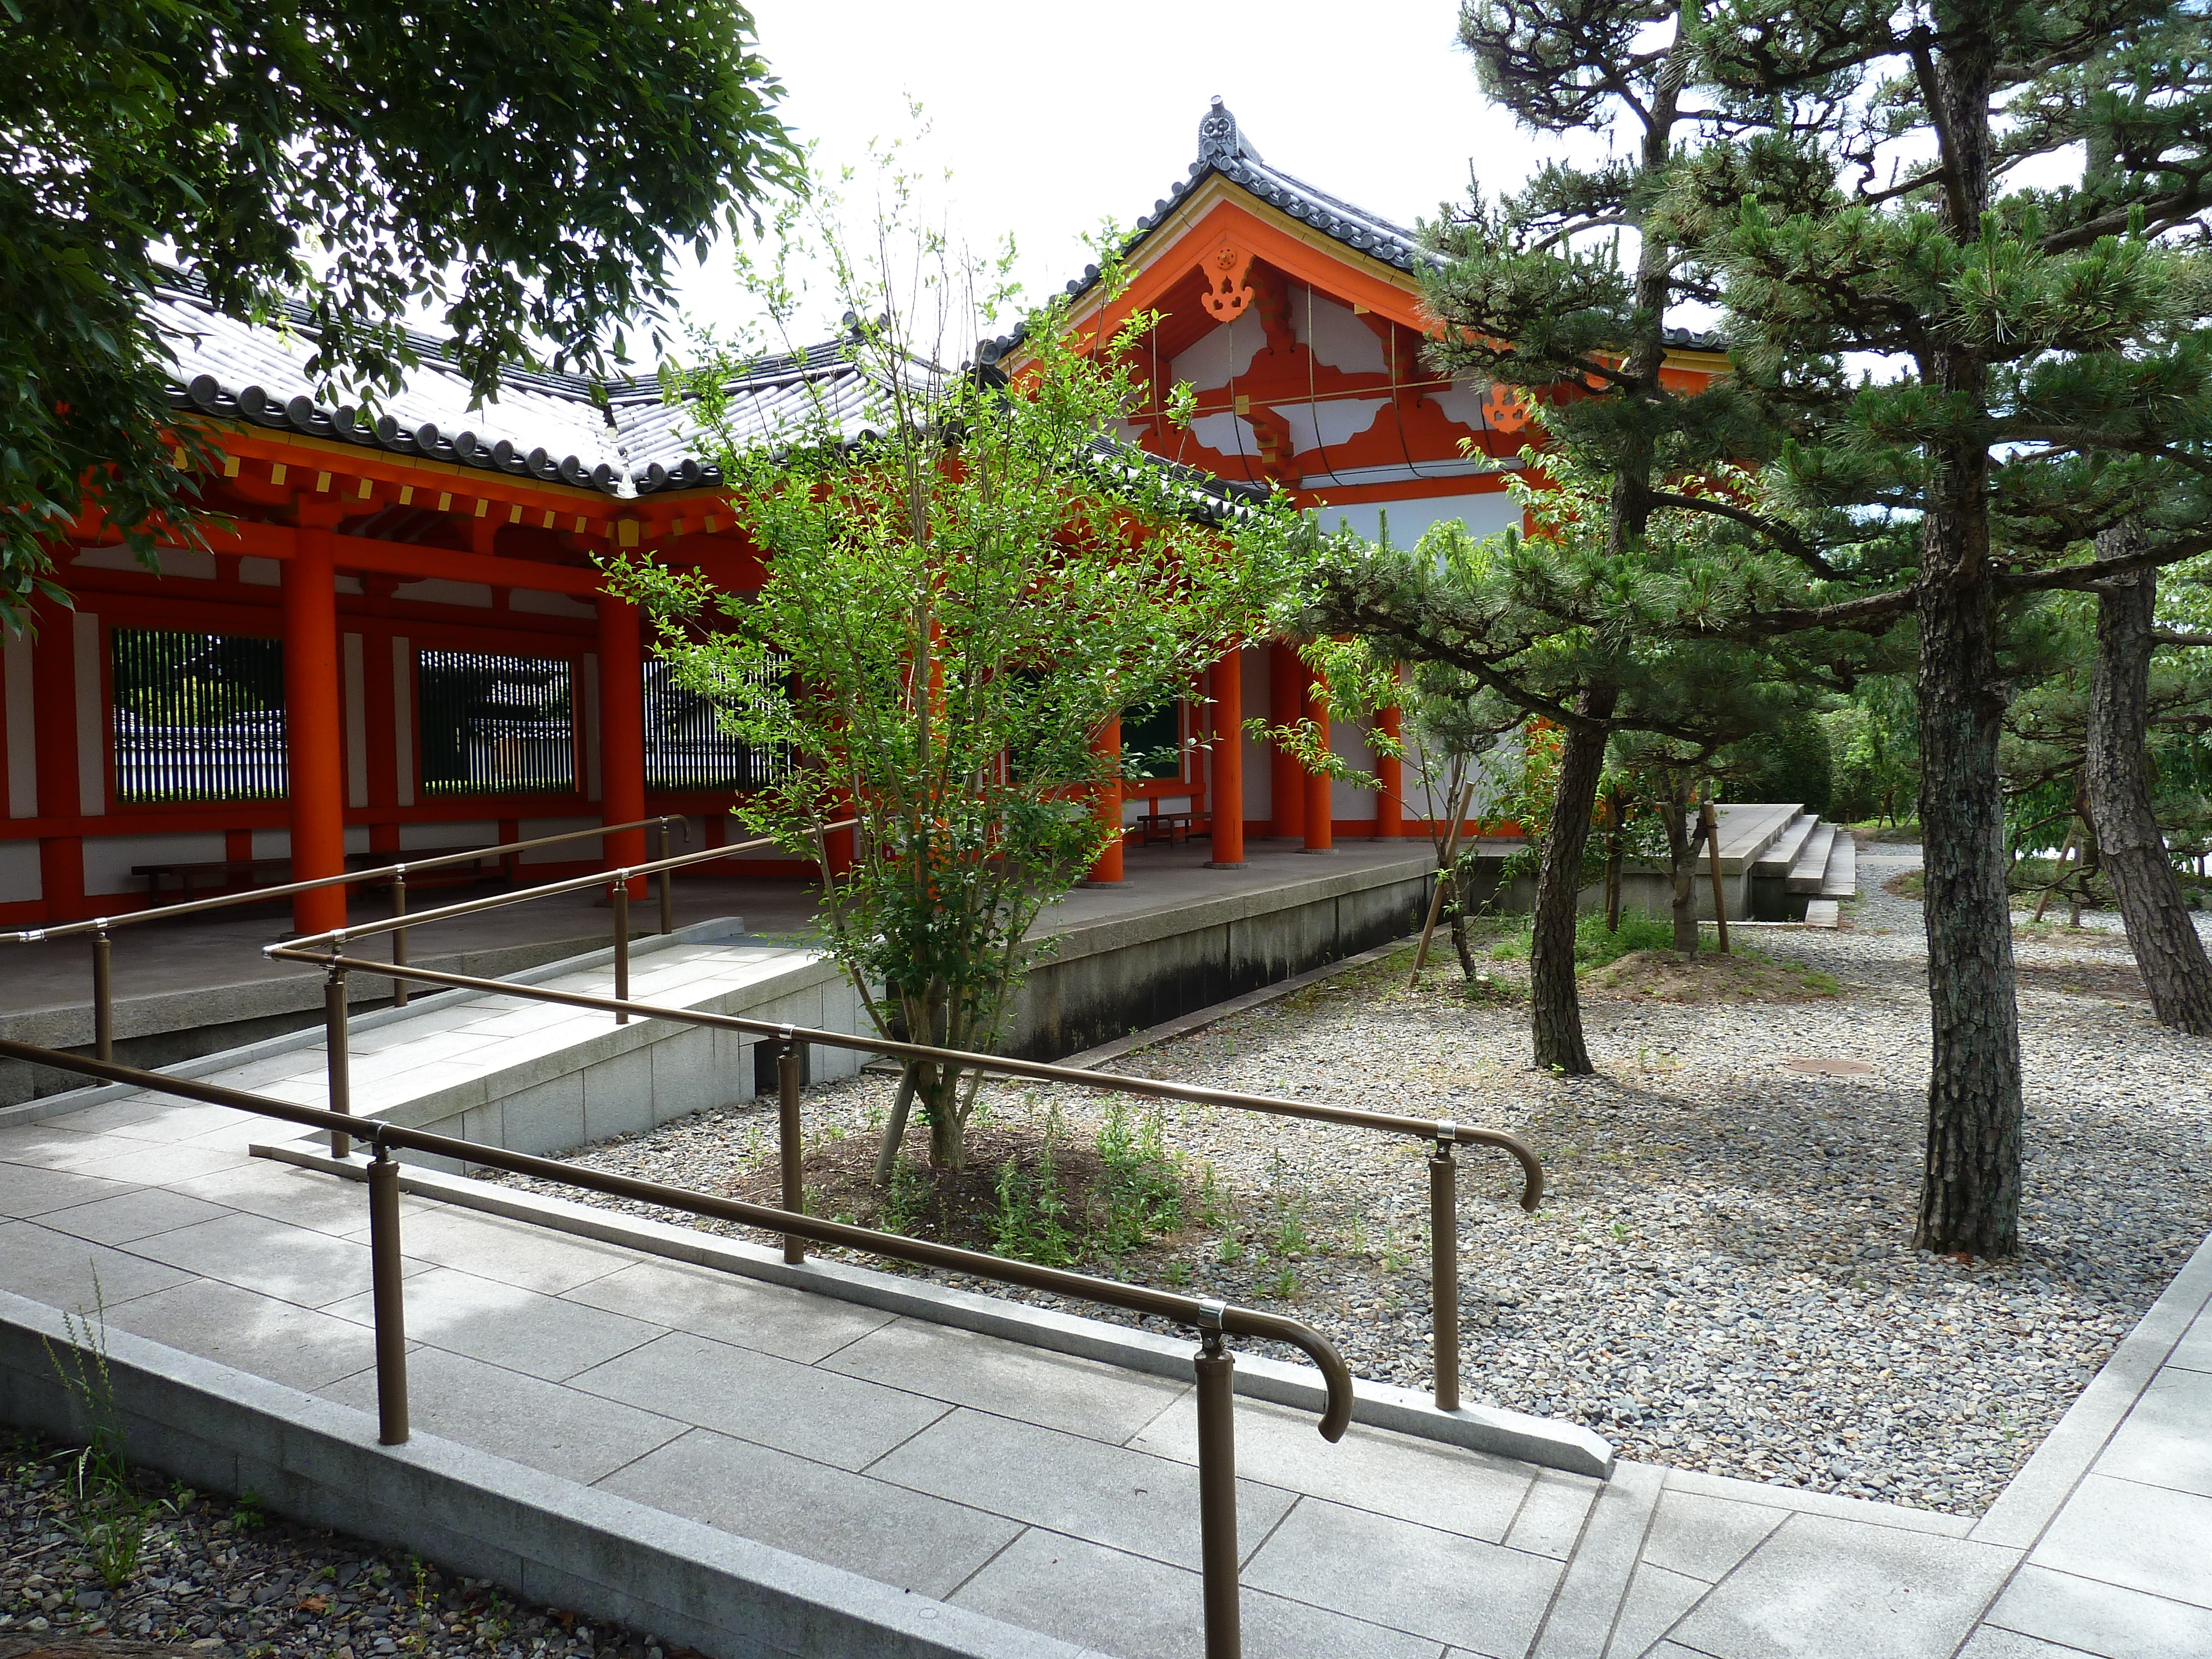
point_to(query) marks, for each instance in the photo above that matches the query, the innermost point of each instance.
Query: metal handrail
(1443, 1134)
(1212, 1319)
(103, 993)
(261, 895)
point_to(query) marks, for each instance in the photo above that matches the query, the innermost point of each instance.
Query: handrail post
(788, 1143)
(1443, 1266)
(622, 942)
(336, 1059)
(398, 934)
(103, 995)
(1216, 1489)
(667, 897)
(386, 1298)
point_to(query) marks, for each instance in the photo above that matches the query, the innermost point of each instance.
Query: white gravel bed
(1722, 1276)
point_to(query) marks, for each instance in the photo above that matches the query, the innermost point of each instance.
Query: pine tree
(2044, 361)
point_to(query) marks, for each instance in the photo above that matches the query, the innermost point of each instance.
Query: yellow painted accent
(1243, 404)
(276, 473)
(367, 486)
(580, 523)
(514, 515)
(407, 495)
(322, 483)
(548, 524)
(444, 502)
(483, 507)
(628, 532)
(1359, 311)
(711, 522)
(177, 452)
(230, 466)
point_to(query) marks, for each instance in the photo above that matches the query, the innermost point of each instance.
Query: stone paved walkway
(1059, 1494)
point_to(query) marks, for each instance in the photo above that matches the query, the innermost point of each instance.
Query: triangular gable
(1298, 320)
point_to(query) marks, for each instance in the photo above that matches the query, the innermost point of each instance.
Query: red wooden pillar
(314, 728)
(1287, 778)
(54, 714)
(1228, 805)
(1390, 773)
(1320, 830)
(1107, 869)
(621, 733)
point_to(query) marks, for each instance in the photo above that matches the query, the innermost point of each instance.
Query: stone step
(1822, 912)
(1749, 831)
(1841, 879)
(1781, 856)
(1811, 863)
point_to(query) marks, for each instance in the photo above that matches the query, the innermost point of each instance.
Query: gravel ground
(1722, 1276)
(216, 1578)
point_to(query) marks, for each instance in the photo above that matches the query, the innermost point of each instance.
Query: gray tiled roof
(623, 440)
(1223, 149)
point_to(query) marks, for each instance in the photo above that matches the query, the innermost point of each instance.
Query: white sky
(1052, 118)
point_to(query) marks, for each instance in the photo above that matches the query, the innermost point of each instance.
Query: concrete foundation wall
(544, 1538)
(1121, 976)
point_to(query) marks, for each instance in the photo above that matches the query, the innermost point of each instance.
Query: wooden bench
(1172, 827)
(221, 874)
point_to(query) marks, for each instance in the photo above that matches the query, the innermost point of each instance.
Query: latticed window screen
(494, 725)
(196, 716)
(686, 746)
(1151, 739)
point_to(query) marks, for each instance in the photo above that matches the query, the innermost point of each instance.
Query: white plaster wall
(108, 858)
(272, 843)
(260, 572)
(1223, 351)
(19, 872)
(174, 561)
(1259, 770)
(1484, 513)
(22, 730)
(1345, 800)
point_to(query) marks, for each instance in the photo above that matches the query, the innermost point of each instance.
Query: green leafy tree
(965, 585)
(528, 172)
(2042, 357)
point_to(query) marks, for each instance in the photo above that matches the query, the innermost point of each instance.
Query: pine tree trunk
(1555, 1013)
(2168, 952)
(1682, 867)
(1616, 839)
(1970, 1198)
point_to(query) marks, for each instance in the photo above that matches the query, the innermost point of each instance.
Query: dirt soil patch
(1743, 976)
(973, 1207)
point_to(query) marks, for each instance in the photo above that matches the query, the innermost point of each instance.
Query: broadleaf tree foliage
(526, 174)
(962, 593)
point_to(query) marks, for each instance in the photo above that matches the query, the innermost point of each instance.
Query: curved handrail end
(1336, 1414)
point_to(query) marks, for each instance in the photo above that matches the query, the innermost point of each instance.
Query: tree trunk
(1555, 1013)
(1682, 867)
(1970, 1199)
(1616, 839)
(2116, 779)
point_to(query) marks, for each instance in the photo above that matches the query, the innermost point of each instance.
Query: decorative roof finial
(1220, 140)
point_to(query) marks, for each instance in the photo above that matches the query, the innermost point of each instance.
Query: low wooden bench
(1172, 827)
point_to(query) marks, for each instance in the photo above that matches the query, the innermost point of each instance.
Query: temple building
(398, 642)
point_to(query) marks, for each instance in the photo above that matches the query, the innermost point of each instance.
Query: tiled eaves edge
(1546, 1442)
(549, 1539)
(715, 930)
